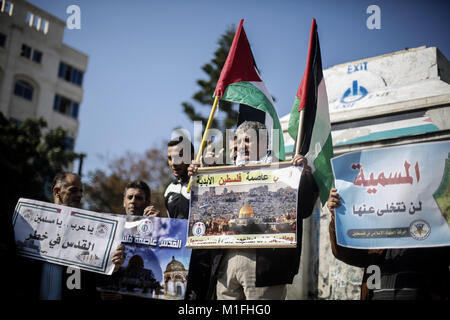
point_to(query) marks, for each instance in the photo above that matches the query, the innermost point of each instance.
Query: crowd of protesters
(236, 274)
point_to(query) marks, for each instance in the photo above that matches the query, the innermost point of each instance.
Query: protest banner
(244, 207)
(396, 197)
(156, 260)
(66, 236)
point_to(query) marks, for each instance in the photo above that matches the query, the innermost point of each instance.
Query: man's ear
(56, 191)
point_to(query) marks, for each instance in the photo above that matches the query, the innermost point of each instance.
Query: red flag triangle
(240, 65)
(302, 92)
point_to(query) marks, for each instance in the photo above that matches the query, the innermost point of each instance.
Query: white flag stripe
(262, 87)
(322, 126)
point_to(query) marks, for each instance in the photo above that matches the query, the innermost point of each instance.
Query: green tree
(29, 159)
(204, 96)
(104, 190)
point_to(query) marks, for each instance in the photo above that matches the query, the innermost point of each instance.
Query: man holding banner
(177, 203)
(48, 281)
(390, 217)
(256, 274)
(419, 273)
(263, 273)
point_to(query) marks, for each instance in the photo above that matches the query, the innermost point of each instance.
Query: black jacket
(27, 282)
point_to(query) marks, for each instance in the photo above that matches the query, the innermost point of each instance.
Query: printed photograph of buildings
(152, 269)
(244, 209)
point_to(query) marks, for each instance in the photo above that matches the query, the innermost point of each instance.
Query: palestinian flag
(316, 144)
(240, 82)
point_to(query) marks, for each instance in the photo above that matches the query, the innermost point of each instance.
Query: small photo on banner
(156, 260)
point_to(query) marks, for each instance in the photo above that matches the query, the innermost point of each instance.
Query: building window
(23, 89)
(32, 54)
(37, 56)
(2, 40)
(16, 121)
(70, 74)
(26, 51)
(6, 7)
(30, 18)
(66, 106)
(44, 26)
(37, 22)
(70, 143)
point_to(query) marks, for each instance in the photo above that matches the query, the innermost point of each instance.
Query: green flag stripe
(246, 93)
(324, 173)
(294, 119)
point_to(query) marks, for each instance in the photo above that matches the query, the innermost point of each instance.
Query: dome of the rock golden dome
(246, 212)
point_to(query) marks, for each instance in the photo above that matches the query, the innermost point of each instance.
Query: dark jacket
(28, 274)
(418, 273)
(177, 206)
(176, 203)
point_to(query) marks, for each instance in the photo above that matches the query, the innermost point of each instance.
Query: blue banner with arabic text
(396, 197)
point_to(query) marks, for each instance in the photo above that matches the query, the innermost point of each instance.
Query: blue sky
(146, 56)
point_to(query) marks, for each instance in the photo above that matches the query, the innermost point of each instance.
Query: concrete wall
(393, 99)
(380, 81)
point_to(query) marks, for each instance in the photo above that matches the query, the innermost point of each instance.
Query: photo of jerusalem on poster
(156, 260)
(250, 208)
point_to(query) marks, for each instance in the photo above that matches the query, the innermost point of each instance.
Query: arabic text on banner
(156, 260)
(397, 197)
(250, 208)
(66, 236)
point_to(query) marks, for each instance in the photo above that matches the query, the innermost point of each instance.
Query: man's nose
(177, 164)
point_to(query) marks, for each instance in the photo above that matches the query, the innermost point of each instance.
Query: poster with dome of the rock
(156, 262)
(244, 207)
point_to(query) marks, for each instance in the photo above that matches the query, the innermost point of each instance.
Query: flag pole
(205, 134)
(300, 131)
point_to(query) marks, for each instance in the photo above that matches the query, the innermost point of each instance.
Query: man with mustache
(136, 200)
(177, 203)
(176, 195)
(68, 191)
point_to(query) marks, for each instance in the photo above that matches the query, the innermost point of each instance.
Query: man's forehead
(249, 134)
(176, 148)
(131, 191)
(72, 180)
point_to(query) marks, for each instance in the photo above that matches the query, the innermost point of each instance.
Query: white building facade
(40, 76)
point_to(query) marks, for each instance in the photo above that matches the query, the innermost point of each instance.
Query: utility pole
(81, 156)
